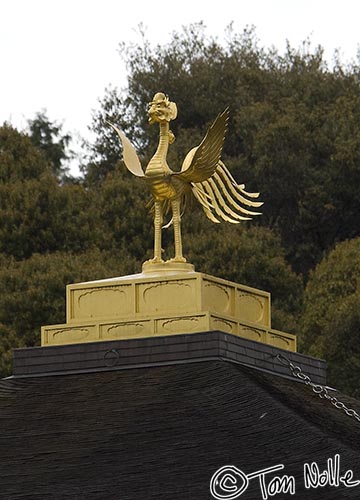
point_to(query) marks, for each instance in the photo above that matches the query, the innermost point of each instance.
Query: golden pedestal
(157, 303)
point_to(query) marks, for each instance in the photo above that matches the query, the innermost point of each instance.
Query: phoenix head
(161, 109)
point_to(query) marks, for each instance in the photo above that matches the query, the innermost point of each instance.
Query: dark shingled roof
(161, 432)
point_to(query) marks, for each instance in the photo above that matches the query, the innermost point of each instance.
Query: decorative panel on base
(174, 293)
(147, 305)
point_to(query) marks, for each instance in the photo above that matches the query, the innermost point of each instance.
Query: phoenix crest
(203, 175)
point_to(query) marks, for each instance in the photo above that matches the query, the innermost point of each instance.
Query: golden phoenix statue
(203, 175)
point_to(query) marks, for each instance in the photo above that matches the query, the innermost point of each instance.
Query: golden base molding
(158, 303)
(169, 266)
(163, 326)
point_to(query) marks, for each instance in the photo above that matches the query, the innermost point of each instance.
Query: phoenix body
(203, 175)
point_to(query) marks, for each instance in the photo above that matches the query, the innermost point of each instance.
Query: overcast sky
(60, 56)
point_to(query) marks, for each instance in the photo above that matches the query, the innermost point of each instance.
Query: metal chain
(318, 389)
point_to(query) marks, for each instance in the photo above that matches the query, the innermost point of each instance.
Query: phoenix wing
(201, 162)
(211, 182)
(221, 197)
(130, 156)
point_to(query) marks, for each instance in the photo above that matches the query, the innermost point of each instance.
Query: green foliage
(294, 135)
(293, 131)
(331, 321)
(252, 256)
(32, 292)
(121, 203)
(8, 342)
(41, 216)
(19, 159)
(47, 137)
(37, 214)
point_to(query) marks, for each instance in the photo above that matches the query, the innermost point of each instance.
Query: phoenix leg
(175, 204)
(158, 220)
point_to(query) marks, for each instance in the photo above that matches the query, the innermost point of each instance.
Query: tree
(121, 207)
(293, 132)
(37, 214)
(252, 256)
(330, 326)
(293, 135)
(20, 160)
(48, 138)
(32, 292)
